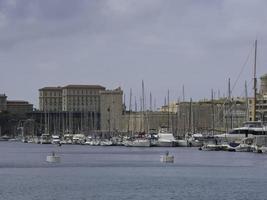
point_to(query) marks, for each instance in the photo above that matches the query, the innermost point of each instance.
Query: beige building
(261, 103)
(219, 114)
(147, 121)
(111, 108)
(78, 98)
(3, 103)
(71, 98)
(172, 108)
(50, 99)
(82, 107)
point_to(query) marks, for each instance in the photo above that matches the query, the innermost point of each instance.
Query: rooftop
(13, 102)
(51, 88)
(85, 87)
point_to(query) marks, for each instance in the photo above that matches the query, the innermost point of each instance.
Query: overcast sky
(166, 43)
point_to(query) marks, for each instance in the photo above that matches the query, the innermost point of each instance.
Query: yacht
(67, 138)
(166, 138)
(55, 139)
(106, 142)
(45, 139)
(137, 142)
(249, 129)
(79, 138)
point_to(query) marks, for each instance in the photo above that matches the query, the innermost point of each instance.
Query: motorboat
(106, 142)
(246, 145)
(67, 138)
(45, 139)
(4, 138)
(249, 129)
(137, 142)
(166, 138)
(78, 138)
(55, 139)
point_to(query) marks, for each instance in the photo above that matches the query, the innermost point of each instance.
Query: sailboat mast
(213, 114)
(255, 84)
(130, 110)
(246, 99)
(143, 106)
(168, 98)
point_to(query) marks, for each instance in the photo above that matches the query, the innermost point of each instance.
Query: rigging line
(248, 84)
(242, 69)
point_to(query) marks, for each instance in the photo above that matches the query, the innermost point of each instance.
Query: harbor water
(113, 173)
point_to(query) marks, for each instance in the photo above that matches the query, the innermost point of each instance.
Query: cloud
(167, 43)
(3, 20)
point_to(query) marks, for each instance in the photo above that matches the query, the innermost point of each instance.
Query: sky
(166, 43)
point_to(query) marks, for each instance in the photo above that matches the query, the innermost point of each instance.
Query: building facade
(81, 108)
(50, 99)
(71, 98)
(261, 102)
(79, 98)
(3, 103)
(111, 108)
(19, 107)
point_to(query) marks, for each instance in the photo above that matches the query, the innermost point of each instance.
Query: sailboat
(141, 139)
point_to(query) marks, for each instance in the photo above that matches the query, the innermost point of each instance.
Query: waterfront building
(172, 107)
(80, 108)
(78, 98)
(261, 102)
(205, 115)
(148, 121)
(111, 110)
(19, 107)
(71, 98)
(50, 99)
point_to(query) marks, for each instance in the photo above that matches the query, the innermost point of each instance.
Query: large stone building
(13, 114)
(71, 98)
(206, 115)
(81, 98)
(50, 99)
(81, 107)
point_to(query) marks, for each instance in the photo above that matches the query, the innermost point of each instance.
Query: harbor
(133, 100)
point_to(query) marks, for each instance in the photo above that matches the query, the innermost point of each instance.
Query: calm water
(129, 173)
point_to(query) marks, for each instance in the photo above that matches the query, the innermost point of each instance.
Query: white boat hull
(165, 144)
(53, 159)
(167, 159)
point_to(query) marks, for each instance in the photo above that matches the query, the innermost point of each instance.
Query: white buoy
(53, 158)
(167, 158)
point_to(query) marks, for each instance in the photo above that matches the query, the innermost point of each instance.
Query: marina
(133, 100)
